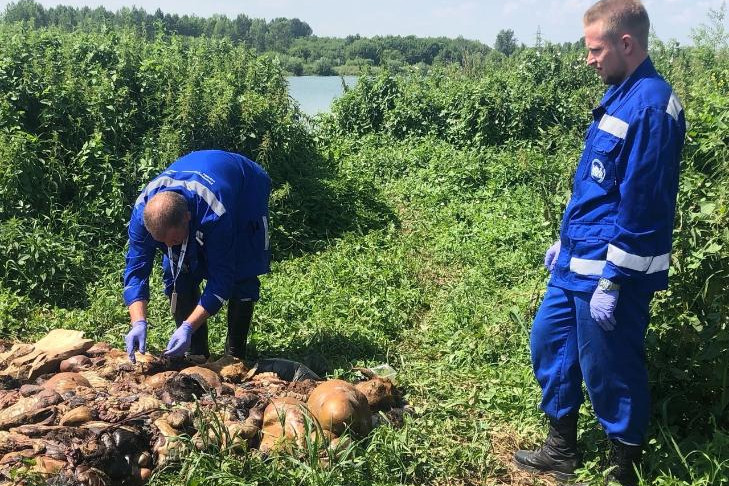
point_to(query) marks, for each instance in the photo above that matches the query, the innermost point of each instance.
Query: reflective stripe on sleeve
(659, 263)
(266, 236)
(582, 266)
(674, 106)
(193, 186)
(648, 264)
(614, 126)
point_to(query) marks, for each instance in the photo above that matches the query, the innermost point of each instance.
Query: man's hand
(602, 307)
(180, 340)
(136, 339)
(550, 258)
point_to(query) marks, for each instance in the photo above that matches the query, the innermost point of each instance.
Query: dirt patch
(505, 441)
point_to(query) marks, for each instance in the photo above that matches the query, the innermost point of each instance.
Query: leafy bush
(323, 67)
(690, 336)
(514, 99)
(14, 311)
(49, 266)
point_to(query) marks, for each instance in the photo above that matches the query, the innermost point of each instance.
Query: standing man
(613, 252)
(208, 214)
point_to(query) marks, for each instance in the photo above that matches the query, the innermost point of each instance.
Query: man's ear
(627, 44)
(188, 217)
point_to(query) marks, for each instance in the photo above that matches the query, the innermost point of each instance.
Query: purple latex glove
(602, 307)
(550, 258)
(136, 339)
(180, 340)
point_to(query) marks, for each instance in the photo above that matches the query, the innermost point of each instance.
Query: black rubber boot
(558, 456)
(240, 313)
(624, 460)
(186, 303)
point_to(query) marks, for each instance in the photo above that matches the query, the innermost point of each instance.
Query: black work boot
(558, 456)
(240, 313)
(186, 303)
(624, 460)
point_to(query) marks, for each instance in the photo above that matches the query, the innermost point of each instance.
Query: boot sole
(562, 476)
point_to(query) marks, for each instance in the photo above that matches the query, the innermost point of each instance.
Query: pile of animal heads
(82, 412)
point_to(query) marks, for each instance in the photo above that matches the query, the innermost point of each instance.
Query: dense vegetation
(290, 41)
(409, 225)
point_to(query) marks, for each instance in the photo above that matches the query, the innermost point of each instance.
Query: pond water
(316, 93)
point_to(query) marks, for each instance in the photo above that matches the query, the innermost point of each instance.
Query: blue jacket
(619, 221)
(227, 195)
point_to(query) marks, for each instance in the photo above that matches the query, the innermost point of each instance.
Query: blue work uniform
(618, 226)
(228, 243)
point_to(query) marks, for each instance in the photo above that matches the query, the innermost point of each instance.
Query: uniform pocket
(587, 256)
(588, 248)
(602, 169)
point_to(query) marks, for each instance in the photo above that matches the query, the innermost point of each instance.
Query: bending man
(613, 252)
(208, 214)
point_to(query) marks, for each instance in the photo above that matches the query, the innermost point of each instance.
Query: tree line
(277, 34)
(290, 40)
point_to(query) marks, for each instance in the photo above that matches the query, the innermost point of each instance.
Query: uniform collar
(644, 70)
(617, 92)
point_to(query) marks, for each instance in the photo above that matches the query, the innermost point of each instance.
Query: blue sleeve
(220, 256)
(648, 187)
(140, 258)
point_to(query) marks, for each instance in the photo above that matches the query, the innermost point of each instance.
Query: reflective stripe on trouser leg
(554, 354)
(613, 365)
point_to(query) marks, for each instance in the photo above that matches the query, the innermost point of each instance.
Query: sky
(558, 20)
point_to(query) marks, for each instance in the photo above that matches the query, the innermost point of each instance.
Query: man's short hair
(165, 210)
(621, 17)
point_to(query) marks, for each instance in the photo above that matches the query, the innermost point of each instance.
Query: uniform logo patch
(598, 170)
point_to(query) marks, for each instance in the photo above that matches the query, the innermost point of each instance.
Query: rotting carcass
(284, 425)
(80, 411)
(338, 405)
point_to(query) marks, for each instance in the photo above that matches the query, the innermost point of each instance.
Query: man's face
(176, 235)
(605, 55)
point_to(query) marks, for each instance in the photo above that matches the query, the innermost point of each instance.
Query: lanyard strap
(176, 272)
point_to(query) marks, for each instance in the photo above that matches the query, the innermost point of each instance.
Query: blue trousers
(567, 346)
